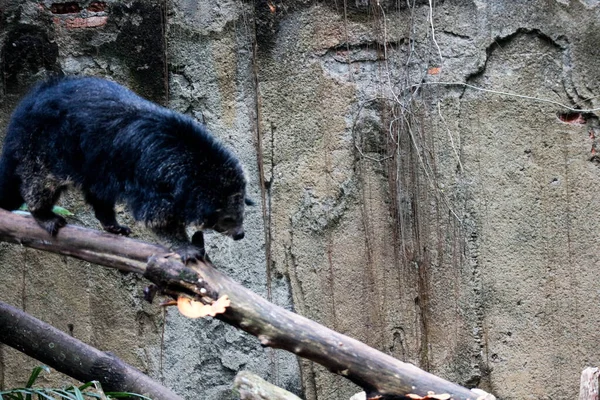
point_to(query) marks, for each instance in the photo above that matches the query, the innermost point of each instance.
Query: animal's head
(222, 210)
(229, 219)
(215, 187)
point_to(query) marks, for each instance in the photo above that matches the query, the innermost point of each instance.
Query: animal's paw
(191, 253)
(118, 230)
(52, 224)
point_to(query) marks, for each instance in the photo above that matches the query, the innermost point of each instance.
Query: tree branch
(381, 376)
(86, 244)
(70, 356)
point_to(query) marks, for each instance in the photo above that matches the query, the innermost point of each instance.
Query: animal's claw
(118, 230)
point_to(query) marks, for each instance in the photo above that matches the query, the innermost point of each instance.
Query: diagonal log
(72, 357)
(380, 375)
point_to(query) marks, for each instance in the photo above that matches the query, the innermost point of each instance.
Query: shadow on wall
(122, 41)
(27, 54)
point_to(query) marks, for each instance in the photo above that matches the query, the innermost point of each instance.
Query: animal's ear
(249, 202)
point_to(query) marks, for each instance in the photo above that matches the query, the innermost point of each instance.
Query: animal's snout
(238, 235)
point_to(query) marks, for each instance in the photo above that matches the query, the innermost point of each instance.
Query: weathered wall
(450, 227)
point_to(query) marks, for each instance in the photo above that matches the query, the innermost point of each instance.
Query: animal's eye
(228, 220)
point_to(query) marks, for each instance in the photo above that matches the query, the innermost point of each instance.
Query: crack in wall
(2, 366)
(499, 41)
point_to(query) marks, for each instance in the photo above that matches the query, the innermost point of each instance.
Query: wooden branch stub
(483, 395)
(588, 387)
(252, 387)
(171, 276)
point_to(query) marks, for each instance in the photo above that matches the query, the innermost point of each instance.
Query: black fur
(116, 146)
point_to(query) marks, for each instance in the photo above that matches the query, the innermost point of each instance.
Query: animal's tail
(10, 195)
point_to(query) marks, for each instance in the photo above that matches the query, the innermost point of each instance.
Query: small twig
(589, 386)
(450, 136)
(433, 33)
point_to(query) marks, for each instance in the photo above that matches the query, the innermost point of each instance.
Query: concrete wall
(451, 227)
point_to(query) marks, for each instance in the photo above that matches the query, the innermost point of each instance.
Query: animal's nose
(238, 236)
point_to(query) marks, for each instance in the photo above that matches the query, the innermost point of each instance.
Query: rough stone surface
(451, 227)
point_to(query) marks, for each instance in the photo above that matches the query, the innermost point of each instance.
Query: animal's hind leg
(40, 195)
(105, 213)
(10, 196)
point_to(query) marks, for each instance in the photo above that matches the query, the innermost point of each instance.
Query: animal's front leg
(105, 213)
(41, 193)
(198, 243)
(176, 238)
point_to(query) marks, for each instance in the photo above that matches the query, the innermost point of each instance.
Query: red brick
(90, 22)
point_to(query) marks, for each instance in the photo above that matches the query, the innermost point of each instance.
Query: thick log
(380, 375)
(86, 244)
(72, 357)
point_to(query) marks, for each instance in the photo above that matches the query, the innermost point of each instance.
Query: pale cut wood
(359, 396)
(588, 386)
(252, 387)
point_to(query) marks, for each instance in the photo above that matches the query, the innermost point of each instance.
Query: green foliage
(87, 391)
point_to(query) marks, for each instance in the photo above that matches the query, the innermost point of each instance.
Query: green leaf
(35, 373)
(93, 395)
(15, 394)
(57, 209)
(19, 212)
(70, 393)
(42, 393)
(86, 385)
(62, 393)
(62, 211)
(98, 387)
(78, 393)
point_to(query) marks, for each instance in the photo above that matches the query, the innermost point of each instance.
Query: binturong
(118, 147)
